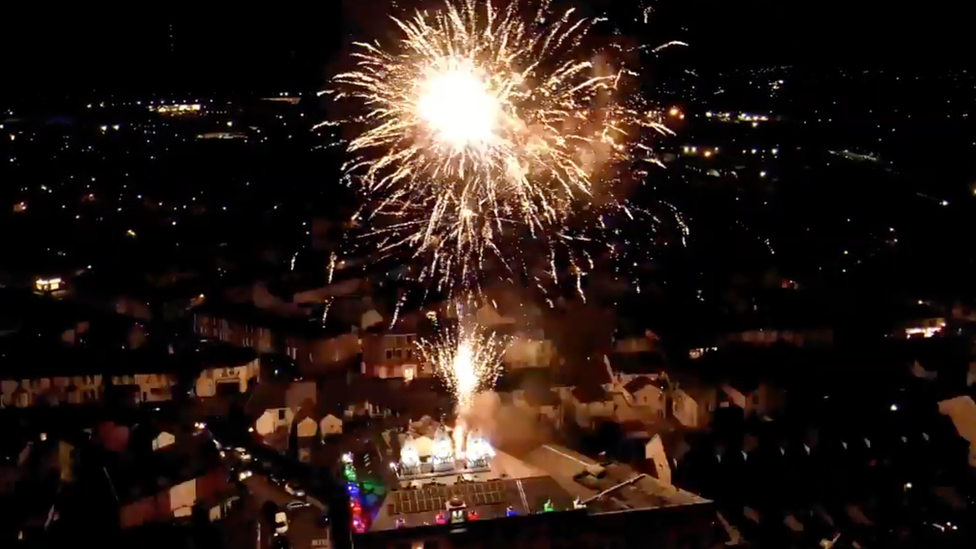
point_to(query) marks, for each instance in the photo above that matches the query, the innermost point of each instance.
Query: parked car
(295, 489)
(281, 522)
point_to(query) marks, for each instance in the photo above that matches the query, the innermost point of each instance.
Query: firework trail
(490, 139)
(468, 361)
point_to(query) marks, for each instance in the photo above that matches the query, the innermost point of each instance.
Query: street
(304, 530)
(251, 528)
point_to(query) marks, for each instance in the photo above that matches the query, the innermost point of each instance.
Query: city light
(48, 284)
(177, 109)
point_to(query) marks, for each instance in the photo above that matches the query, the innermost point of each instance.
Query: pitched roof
(145, 472)
(298, 392)
(265, 396)
(524, 378)
(638, 363)
(309, 326)
(541, 396)
(639, 383)
(589, 393)
(35, 359)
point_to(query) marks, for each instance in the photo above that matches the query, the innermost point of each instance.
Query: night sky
(264, 50)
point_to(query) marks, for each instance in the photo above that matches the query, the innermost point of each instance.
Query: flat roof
(612, 487)
(547, 473)
(490, 499)
(507, 481)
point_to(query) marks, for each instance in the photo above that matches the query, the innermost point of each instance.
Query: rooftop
(549, 476)
(509, 483)
(639, 383)
(30, 360)
(590, 393)
(307, 326)
(608, 487)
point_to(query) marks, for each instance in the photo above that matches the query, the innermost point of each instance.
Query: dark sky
(267, 49)
(830, 31)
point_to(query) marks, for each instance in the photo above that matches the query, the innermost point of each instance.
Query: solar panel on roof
(435, 497)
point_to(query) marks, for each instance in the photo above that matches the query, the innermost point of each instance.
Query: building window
(389, 354)
(281, 415)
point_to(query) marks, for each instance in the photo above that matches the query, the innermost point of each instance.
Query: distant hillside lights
(284, 97)
(926, 329)
(706, 152)
(753, 119)
(176, 109)
(48, 285)
(700, 352)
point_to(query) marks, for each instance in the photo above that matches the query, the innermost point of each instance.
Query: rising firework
(468, 362)
(492, 129)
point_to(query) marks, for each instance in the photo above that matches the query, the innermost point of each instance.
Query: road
(304, 531)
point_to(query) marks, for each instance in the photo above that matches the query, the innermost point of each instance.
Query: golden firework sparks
(486, 129)
(468, 362)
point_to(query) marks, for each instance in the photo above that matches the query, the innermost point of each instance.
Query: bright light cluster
(177, 109)
(457, 104)
(487, 129)
(468, 362)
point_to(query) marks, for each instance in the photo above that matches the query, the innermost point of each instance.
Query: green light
(547, 506)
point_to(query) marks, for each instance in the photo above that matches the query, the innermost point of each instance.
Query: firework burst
(468, 362)
(488, 129)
